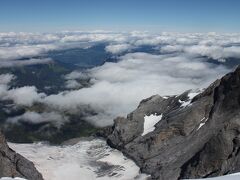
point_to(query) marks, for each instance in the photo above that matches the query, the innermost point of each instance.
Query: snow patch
(184, 103)
(191, 95)
(203, 121)
(149, 123)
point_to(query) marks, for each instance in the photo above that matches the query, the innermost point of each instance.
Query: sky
(150, 15)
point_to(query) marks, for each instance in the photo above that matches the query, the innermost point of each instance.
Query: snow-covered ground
(9, 178)
(86, 160)
(235, 176)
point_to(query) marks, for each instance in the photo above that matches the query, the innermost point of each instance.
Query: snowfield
(86, 160)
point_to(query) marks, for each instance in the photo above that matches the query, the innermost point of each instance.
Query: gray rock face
(201, 139)
(15, 165)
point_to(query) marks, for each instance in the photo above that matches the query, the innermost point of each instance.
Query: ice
(86, 160)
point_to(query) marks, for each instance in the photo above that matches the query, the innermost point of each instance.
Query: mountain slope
(196, 136)
(14, 165)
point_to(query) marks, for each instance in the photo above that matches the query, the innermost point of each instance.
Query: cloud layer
(118, 87)
(36, 118)
(179, 62)
(217, 46)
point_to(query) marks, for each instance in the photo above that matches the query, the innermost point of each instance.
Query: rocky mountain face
(197, 136)
(15, 165)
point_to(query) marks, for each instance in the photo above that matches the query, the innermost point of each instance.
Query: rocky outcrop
(196, 137)
(15, 165)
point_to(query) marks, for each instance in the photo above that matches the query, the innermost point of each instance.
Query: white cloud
(171, 48)
(17, 45)
(95, 37)
(72, 78)
(215, 52)
(72, 84)
(154, 40)
(76, 75)
(26, 95)
(118, 87)
(118, 48)
(6, 78)
(3, 91)
(36, 118)
(22, 51)
(15, 63)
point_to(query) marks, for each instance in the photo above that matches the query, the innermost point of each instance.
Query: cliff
(15, 165)
(195, 135)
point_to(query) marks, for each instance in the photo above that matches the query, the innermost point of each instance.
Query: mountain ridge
(195, 138)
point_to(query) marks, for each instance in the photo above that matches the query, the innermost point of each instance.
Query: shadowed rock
(15, 165)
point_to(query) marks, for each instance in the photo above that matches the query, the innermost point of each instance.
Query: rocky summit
(15, 165)
(195, 136)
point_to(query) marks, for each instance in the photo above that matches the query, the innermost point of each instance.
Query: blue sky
(151, 15)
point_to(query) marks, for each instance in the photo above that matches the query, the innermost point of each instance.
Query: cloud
(215, 52)
(16, 63)
(36, 118)
(5, 79)
(14, 46)
(118, 87)
(118, 48)
(95, 37)
(26, 95)
(76, 75)
(179, 63)
(154, 40)
(18, 45)
(171, 49)
(11, 38)
(72, 84)
(72, 79)
(24, 51)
